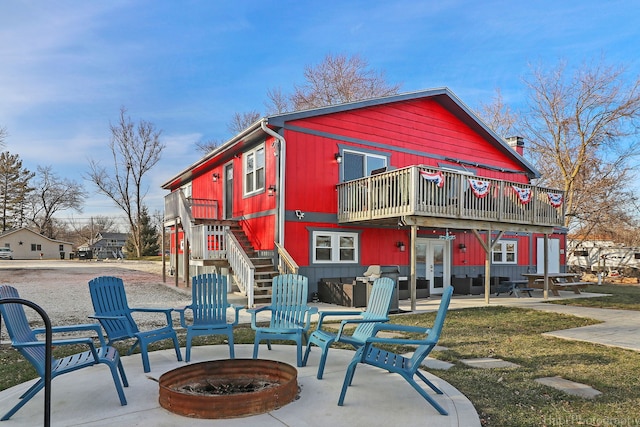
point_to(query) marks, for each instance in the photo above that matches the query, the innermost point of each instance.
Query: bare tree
(499, 116)
(278, 102)
(583, 134)
(241, 121)
(87, 231)
(207, 146)
(336, 80)
(135, 151)
(581, 130)
(238, 123)
(51, 195)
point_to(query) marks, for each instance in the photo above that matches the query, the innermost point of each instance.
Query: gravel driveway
(61, 288)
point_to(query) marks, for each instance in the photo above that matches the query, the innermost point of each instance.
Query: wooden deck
(417, 191)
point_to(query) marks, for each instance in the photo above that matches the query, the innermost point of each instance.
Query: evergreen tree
(14, 189)
(148, 236)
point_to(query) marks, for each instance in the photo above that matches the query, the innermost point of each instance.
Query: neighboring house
(29, 244)
(414, 181)
(603, 255)
(106, 245)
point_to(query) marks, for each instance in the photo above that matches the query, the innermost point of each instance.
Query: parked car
(6, 253)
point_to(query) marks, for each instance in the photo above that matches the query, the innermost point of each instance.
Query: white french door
(433, 262)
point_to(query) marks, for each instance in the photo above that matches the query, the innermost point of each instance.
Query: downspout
(280, 189)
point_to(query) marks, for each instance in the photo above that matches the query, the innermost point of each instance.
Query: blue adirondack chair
(406, 367)
(377, 311)
(290, 314)
(113, 311)
(24, 339)
(209, 307)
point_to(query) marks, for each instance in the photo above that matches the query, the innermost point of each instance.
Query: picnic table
(557, 282)
(514, 287)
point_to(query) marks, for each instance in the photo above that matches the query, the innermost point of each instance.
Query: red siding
(424, 126)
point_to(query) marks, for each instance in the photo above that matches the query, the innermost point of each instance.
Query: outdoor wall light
(462, 247)
(215, 177)
(271, 190)
(401, 246)
(338, 157)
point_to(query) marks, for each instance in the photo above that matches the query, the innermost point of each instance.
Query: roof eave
(186, 174)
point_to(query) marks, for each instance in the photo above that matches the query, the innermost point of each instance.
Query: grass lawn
(623, 297)
(506, 397)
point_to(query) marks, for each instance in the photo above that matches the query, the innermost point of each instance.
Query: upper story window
(254, 170)
(505, 252)
(334, 247)
(358, 164)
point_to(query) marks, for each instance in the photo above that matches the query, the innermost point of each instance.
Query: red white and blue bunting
(524, 194)
(555, 199)
(480, 188)
(435, 177)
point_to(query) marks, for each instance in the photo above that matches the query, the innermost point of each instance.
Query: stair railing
(242, 267)
(286, 264)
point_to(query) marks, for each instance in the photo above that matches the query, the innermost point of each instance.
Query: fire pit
(228, 388)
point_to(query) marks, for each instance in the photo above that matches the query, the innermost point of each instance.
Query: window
(505, 252)
(358, 165)
(334, 247)
(36, 247)
(254, 171)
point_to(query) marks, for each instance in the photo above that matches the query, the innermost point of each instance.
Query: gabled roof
(113, 236)
(443, 96)
(29, 230)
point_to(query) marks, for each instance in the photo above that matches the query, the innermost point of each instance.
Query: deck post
(177, 245)
(412, 276)
(546, 266)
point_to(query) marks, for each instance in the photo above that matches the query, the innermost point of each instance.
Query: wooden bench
(562, 286)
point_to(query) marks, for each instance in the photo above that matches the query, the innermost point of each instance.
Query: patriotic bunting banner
(555, 199)
(524, 194)
(435, 177)
(480, 188)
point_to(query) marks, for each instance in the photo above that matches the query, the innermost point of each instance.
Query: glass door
(433, 264)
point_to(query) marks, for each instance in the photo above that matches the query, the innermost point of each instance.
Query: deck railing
(197, 208)
(209, 242)
(422, 191)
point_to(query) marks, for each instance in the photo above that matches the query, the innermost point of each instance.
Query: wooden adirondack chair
(377, 311)
(113, 311)
(395, 363)
(290, 314)
(24, 339)
(209, 307)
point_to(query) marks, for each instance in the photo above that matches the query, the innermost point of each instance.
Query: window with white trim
(253, 168)
(505, 252)
(335, 247)
(360, 164)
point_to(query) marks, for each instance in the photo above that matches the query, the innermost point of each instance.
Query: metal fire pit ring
(281, 376)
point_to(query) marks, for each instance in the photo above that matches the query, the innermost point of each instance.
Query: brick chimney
(517, 143)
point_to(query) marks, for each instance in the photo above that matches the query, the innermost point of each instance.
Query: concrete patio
(88, 397)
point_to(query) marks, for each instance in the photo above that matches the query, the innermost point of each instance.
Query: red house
(415, 183)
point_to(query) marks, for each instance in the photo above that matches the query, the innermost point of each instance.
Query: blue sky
(66, 67)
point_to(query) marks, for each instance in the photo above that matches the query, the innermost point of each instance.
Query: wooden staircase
(265, 270)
